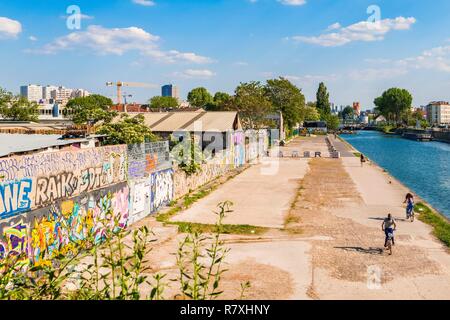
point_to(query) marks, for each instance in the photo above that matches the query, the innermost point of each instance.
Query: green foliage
(127, 130)
(185, 227)
(91, 109)
(386, 128)
(188, 155)
(116, 268)
(288, 99)
(333, 122)
(199, 97)
(311, 113)
(441, 225)
(393, 104)
(220, 102)
(323, 101)
(251, 101)
(348, 113)
(199, 273)
(17, 108)
(159, 102)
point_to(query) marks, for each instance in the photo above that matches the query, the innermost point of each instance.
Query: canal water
(424, 167)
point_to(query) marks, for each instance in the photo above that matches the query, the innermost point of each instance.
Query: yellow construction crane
(121, 84)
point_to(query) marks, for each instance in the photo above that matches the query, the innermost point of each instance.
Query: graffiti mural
(46, 232)
(15, 197)
(38, 180)
(162, 188)
(16, 237)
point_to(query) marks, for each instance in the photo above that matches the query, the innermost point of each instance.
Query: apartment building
(438, 113)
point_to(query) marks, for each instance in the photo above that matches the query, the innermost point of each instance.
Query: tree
(323, 101)
(159, 102)
(221, 102)
(332, 121)
(199, 97)
(251, 101)
(127, 131)
(287, 99)
(393, 104)
(348, 113)
(93, 109)
(17, 108)
(311, 113)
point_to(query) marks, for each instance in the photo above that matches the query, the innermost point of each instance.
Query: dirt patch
(355, 248)
(277, 286)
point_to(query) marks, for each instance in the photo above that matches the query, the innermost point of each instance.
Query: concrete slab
(261, 196)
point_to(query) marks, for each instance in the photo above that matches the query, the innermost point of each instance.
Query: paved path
(339, 210)
(261, 195)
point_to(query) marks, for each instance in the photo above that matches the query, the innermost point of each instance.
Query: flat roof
(18, 143)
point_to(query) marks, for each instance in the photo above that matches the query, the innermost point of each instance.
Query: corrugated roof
(17, 143)
(191, 121)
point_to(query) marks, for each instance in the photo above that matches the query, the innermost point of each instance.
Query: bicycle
(389, 243)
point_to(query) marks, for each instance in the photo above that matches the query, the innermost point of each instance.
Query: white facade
(438, 113)
(47, 92)
(32, 92)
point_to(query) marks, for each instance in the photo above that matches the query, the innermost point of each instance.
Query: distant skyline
(219, 43)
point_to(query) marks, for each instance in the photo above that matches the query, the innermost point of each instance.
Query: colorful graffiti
(15, 197)
(44, 233)
(162, 189)
(36, 181)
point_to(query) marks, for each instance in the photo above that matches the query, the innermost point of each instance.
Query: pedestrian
(363, 159)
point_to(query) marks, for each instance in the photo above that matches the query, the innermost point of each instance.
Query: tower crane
(120, 84)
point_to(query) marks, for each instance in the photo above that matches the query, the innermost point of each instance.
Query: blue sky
(219, 43)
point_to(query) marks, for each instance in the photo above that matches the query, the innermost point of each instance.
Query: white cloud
(145, 3)
(436, 59)
(311, 79)
(32, 38)
(334, 26)
(9, 29)
(292, 2)
(195, 73)
(361, 31)
(118, 41)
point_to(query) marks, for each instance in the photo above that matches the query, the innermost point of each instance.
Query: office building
(170, 90)
(32, 92)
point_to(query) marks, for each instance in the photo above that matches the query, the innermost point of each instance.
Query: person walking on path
(409, 200)
(389, 226)
(363, 159)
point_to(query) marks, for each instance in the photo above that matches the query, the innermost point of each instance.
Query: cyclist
(409, 200)
(389, 226)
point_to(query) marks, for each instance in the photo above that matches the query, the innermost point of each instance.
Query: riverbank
(405, 161)
(330, 244)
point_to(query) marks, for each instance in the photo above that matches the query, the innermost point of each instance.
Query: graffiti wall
(140, 198)
(36, 181)
(43, 233)
(145, 158)
(162, 189)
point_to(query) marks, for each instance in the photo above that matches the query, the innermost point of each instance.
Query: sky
(358, 48)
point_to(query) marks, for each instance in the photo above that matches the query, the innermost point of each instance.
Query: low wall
(443, 136)
(184, 183)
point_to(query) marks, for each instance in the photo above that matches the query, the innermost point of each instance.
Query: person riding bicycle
(409, 200)
(389, 226)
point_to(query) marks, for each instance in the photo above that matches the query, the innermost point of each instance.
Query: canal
(424, 167)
